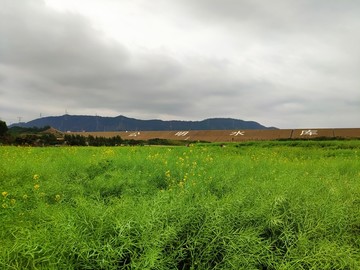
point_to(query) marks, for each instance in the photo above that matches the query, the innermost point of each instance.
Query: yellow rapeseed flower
(37, 186)
(4, 205)
(57, 197)
(12, 201)
(36, 176)
(4, 194)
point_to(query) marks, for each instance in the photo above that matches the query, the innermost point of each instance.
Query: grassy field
(255, 205)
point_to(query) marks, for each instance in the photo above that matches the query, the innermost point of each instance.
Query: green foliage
(35, 140)
(30, 136)
(266, 205)
(78, 140)
(16, 130)
(158, 141)
(3, 128)
(75, 140)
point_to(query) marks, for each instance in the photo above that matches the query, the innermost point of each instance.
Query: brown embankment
(230, 135)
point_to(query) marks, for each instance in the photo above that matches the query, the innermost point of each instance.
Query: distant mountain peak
(89, 123)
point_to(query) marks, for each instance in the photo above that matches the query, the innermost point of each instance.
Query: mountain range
(121, 123)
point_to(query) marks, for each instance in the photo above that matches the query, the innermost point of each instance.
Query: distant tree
(75, 140)
(3, 128)
(48, 139)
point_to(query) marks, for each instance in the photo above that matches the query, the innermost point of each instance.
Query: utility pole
(97, 122)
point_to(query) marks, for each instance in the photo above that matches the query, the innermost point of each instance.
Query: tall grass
(261, 205)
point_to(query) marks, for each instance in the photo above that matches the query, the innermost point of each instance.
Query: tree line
(36, 137)
(79, 140)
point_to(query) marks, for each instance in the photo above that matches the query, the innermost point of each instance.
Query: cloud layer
(290, 64)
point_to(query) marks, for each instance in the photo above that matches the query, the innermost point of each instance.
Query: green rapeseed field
(254, 205)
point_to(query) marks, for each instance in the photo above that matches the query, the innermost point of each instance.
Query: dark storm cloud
(54, 45)
(60, 54)
(286, 63)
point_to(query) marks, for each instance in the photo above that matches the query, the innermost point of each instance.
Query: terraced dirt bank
(231, 135)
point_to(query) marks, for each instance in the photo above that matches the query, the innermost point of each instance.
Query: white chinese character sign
(309, 132)
(134, 134)
(236, 133)
(181, 133)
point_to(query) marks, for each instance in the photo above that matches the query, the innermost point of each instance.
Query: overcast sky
(283, 63)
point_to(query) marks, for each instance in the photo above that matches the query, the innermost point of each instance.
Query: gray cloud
(286, 64)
